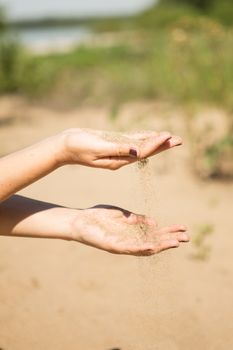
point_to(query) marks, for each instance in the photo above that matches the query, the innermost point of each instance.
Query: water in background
(62, 38)
(53, 38)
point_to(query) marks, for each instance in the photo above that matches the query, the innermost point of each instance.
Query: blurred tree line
(2, 21)
(12, 59)
(221, 10)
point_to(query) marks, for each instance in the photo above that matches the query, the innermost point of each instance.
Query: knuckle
(119, 151)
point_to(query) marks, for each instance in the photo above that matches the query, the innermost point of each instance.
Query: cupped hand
(119, 231)
(101, 149)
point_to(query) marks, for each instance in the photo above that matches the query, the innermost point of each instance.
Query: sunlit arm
(22, 168)
(97, 149)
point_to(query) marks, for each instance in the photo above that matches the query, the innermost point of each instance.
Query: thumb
(150, 146)
(123, 150)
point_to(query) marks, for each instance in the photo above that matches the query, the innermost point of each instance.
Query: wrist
(77, 225)
(68, 218)
(62, 223)
(63, 147)
(60, 149)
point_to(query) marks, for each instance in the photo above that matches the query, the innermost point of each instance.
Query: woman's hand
(104, 227)
(78, 146)
(121, 232)
(108, 150)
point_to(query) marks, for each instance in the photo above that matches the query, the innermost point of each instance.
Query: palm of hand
(121, 232)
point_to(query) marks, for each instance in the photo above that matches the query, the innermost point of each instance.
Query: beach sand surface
(60, 295)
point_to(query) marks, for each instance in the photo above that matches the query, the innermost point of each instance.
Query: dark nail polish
(133, 152)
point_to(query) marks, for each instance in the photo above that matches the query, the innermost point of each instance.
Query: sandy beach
(62, 295)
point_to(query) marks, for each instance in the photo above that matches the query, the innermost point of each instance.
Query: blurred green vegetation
(12, 64)
(11, 60)
(202, 249)
(191, 61)
(2, 20)
(166, 12)
(218, 157)
(220, 10)
(173, 52)
(179, 51)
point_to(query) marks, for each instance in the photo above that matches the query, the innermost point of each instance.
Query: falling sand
(143, 167)
(141, 230)
(145, 181)
(152, 271)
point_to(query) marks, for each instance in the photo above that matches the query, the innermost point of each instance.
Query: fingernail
(133, 152)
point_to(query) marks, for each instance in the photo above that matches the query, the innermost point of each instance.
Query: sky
(29, 9)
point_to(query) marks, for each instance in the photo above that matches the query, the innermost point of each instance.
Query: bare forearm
(20, 169)
(24, 217)
(96, 149)
(104, 227)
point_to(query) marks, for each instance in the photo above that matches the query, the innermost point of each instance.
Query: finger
(112, 163)
(137, 219)
(147, 148)
(173, 229)
(180, 236)
(173, 142)
(150, 146)
(151, 222)
(133, 150)
(168, 244)
(132, 219)
(140, 136)
(122, 150)
(150, 249)
(147, 249)
(144, 249)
